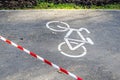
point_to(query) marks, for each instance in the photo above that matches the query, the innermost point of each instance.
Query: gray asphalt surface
(28, 28)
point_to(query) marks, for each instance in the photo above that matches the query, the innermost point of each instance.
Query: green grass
(45, 5)
(108, 6)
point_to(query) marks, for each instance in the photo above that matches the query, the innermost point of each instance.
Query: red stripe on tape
(78, 78)
(48, 62)
(8, 41)
(20, 47)
(33, 54)
(63, 70)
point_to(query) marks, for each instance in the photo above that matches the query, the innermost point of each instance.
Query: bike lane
(30, 31)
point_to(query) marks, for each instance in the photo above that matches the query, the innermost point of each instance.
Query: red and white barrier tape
(40, 58)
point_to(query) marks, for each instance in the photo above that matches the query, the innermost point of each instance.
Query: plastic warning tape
(40, 58)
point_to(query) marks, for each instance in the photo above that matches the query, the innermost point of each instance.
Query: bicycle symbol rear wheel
(58, 26)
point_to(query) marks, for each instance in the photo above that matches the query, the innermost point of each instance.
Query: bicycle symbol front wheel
(68, 55)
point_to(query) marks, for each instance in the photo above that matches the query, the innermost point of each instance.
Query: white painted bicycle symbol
(79, 43)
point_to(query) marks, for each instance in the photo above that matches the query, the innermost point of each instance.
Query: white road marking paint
(73, 56)
(69, 41)
(60, 27)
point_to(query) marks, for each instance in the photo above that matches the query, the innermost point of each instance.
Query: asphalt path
(28, 28)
